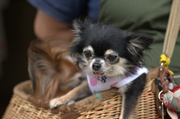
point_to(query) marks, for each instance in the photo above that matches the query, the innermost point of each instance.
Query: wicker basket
(102, 105)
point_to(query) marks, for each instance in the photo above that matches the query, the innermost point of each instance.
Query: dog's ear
(138, 42)
(76, 47)
(80, 25)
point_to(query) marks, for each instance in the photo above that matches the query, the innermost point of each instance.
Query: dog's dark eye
(87, 53)
(112, 58)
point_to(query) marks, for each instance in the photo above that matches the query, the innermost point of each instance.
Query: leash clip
(165, 61)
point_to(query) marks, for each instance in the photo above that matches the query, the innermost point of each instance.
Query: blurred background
(16, 31)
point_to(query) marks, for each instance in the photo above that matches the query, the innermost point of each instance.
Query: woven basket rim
(23, 89)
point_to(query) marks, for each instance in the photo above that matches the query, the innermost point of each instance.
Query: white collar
(132, 77)
(98, 84)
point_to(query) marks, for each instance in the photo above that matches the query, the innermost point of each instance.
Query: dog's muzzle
(96, 66)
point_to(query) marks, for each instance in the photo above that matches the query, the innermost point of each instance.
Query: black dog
(110, 57)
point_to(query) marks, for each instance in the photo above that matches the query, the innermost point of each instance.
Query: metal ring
(159, 95)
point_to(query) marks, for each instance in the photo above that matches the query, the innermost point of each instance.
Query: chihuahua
(110, 57)
(51, 70)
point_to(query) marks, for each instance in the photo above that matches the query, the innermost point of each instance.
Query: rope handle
(172, 29)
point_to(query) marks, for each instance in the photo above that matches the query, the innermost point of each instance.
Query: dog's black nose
(96, 66)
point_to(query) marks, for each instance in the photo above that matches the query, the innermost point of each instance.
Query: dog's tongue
(97, 74)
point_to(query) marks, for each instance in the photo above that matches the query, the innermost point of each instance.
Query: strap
(172, 29)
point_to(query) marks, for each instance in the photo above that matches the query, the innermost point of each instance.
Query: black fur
(133, 93)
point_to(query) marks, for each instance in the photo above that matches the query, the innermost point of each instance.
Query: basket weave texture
(105, 105)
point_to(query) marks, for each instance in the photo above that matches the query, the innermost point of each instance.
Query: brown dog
(51, 70)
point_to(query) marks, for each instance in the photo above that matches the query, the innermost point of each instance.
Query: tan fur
(51, 70)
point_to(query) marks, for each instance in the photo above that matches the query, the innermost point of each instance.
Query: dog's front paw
(56, 102)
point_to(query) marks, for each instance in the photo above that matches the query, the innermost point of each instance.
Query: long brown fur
(51, 70)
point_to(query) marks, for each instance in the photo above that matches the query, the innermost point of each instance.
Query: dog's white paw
(56, 102)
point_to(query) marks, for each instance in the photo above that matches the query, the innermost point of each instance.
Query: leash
(172, 29)
(168, 48)
(171, 33)
(170, 38)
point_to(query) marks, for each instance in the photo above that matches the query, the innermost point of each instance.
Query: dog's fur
(116, 51)
(52, 71)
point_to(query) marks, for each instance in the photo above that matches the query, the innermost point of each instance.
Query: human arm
(47, 26)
